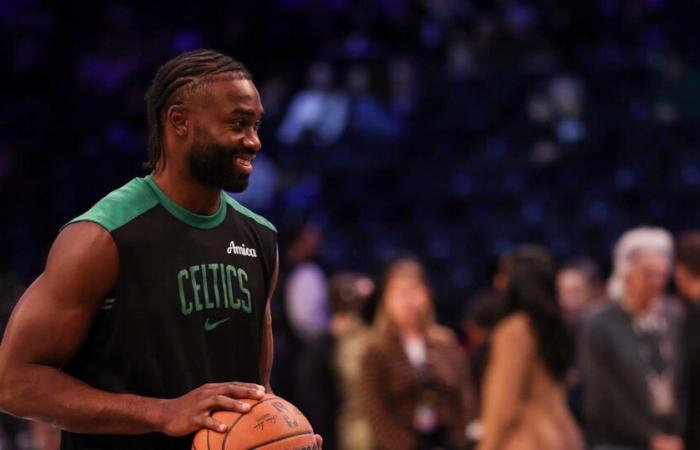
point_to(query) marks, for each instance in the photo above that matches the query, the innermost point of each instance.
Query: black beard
(212, 165)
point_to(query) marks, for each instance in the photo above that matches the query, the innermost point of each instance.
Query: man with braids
(153, 309)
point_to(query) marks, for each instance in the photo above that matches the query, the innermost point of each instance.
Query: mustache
(212, 147)
(231, 152)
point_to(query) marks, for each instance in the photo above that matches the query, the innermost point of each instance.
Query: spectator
(524, 403)
(306, 287)
(577, 285)
(413, 381)
(480, 319)
(629, 353)
(369, 120)
(301, 314)
(319, 112)
(687, 278)
(577, 288)
(329, 368)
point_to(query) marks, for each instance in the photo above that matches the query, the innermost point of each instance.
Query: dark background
(477, 125)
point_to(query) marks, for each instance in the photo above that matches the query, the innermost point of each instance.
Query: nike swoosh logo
(210, 326)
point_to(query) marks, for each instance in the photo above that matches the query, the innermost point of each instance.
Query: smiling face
(225, 115)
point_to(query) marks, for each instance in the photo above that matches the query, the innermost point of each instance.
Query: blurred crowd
(550, 356)
(450, 129)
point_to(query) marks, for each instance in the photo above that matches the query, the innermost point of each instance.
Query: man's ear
(178, 119)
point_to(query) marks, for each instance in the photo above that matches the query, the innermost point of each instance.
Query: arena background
(453, 129)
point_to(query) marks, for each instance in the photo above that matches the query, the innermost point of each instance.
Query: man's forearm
(44, 393)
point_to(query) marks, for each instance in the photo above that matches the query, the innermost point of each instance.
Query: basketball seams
(223, 443)
(280, 438)
(259, 446)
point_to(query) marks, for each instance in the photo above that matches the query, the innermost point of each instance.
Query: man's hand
(666, 442)
(192, 411)
(319, 441)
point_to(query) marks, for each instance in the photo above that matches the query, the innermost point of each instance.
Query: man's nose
(252, 141)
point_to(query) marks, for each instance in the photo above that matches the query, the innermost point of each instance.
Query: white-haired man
(629, 351)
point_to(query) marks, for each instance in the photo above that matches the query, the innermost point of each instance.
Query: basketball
(271, 424)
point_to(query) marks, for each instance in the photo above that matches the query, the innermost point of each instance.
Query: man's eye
(258, 124)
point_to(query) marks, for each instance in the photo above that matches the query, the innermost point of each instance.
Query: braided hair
(177, 79)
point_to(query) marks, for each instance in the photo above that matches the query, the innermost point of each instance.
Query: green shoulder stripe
(121, 206)
(246, 212)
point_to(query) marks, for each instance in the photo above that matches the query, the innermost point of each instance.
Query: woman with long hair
(414, 379)
(524, 393)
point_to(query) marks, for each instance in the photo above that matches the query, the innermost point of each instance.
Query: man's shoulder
(611, 308)
(120, 206)
(605, 318)
(250, 215)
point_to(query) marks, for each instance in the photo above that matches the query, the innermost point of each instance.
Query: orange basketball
(271, 424)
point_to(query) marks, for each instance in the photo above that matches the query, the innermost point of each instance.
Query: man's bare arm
(48, 326)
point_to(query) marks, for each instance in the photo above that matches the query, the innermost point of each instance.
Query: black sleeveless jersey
(187, 308)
